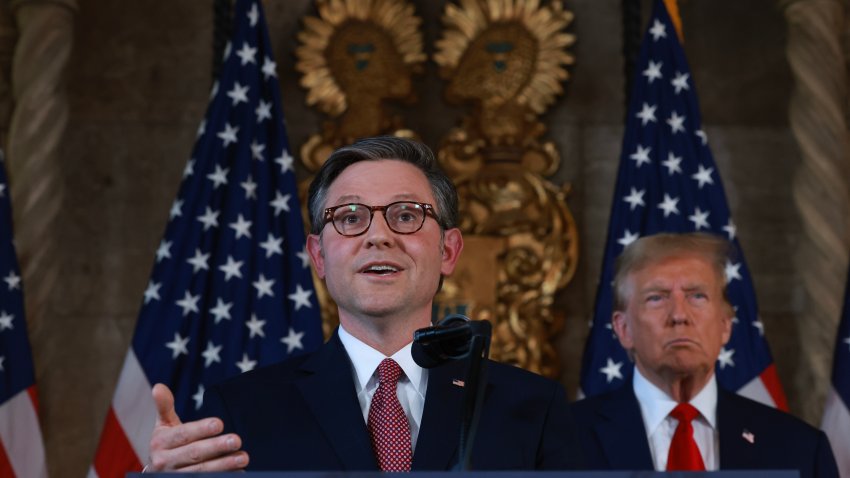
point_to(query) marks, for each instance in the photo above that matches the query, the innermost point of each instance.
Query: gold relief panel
(507, 59)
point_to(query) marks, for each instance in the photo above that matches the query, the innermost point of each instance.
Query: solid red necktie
(387, 422)
(684, 453)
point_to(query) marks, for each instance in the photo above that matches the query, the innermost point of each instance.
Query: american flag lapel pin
(748, 435)
(458, 382)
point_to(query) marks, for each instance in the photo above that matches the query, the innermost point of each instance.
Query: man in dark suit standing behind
(673, 317)
(383, 235)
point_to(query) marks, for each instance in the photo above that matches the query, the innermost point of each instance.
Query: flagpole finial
(673, 11)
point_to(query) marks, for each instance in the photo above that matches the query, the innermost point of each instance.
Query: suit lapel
(436, 447)
(328, 391)
(622, 434)
(735, 451)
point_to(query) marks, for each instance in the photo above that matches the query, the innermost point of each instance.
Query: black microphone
(448, 340)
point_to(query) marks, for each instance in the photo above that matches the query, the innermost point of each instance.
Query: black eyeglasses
(403, 217)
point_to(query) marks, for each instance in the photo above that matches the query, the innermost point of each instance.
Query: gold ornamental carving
(355, 57)
(507, 59)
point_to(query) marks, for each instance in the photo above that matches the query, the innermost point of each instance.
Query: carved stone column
(819, 123)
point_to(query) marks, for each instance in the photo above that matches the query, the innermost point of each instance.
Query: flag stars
(229, 134)
(680, 82)
(238, 94)
(612, 370)
(152, 291)
(221, 311)
(676, 123)
(847, 341)
(2, 359)
(699, 218)
(672, 163)
(647, 114)
(198, 397)
(730, 229)
(628, 238)
(163, 251)
(189, 169)
(257, 151)
(242, 227)
(280, 203)
(269, 68)
(199, 261)
(255, 326)
(732, 271)
(176, 209)
(209, 218)
(300, 297)
(250, 188)
(669, 205)
(641, 156)
(725, 358)
(263, 286)
(293, 340)
(13, 281)
(201, 129)
(305, 258)
(211, 354)
(263, 111)
(703, 176)
(247, 54)
(6, 321)
(189, 303)
(285, 160)
(253, 15)
(272, 245)
(219, 176)
(246, 364)
(653, 71)
(702, 136)
(759, 325)
(658, 30)
(231, 269)
(635, 198)
(178, 345)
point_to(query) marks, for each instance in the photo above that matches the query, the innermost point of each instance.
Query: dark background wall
(138, 84)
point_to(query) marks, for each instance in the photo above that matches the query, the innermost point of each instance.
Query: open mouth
(381, 269)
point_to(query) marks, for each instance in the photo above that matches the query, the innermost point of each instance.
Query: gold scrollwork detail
(507, 59)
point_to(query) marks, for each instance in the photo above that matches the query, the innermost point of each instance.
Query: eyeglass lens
(401, 217)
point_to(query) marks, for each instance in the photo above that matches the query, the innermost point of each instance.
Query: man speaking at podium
(672, 316)
(384, 233)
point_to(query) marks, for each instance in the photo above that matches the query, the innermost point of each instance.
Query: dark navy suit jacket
(613, 437)
(303, 414)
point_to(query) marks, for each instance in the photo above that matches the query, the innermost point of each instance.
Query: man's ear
(314, 248)
(620, 324)
(452, 246)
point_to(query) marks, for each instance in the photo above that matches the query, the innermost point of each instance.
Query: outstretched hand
(192, 446)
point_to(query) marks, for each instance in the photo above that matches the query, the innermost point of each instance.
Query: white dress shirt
(411, 386)
(655, 407)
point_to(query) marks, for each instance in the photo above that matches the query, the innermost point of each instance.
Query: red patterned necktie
(684, 453)
(387, 422)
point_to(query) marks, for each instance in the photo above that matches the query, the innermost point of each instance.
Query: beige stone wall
(138, 82)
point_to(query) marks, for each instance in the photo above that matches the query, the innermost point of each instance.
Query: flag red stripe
(770, 379)
(33, 398)
(5, 465)
(115, 456)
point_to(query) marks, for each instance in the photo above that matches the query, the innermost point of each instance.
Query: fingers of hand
(170, 437)
(221, 452)
(164, 400)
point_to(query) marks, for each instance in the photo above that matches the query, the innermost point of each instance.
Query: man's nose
(679, 311)
(379, 232)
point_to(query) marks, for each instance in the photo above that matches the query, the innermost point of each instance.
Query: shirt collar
(365, 360)
(656, 405)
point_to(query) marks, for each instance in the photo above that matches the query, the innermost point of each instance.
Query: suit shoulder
(775, 418)
(286, 371)
(505, 374)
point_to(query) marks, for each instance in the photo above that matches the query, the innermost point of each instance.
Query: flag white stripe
(21, 437)
(134, 407)
(756, 390)
(836, 424)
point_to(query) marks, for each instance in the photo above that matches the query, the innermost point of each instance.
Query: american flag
(836, 415)
(231, 287)
(21, 446)
(668, 182)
